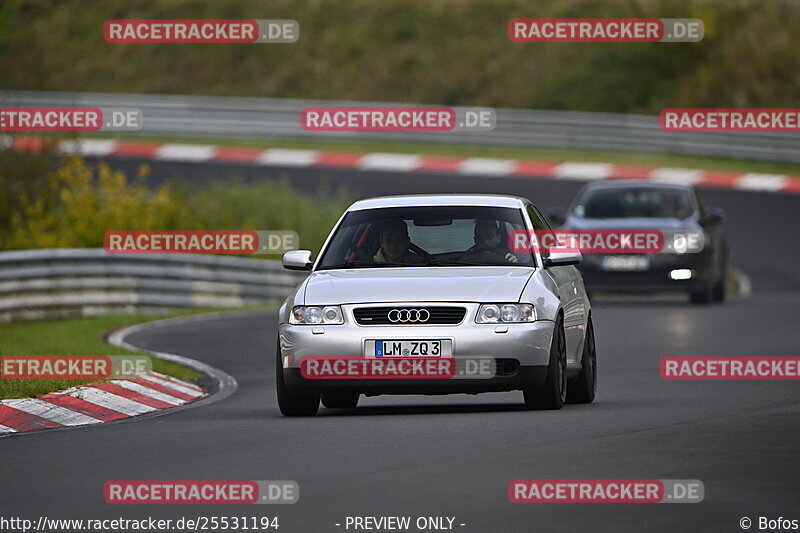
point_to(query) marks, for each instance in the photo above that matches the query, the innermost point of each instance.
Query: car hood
(628, 223)
(404, 284)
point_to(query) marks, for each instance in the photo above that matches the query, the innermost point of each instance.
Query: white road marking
(186, 152)
(110, 401)
(287, 157)
(88, 147)
(147, 391)
(176, 380)
(170, 385)
(390, 162)
(689, 176)
(55, 413)
(754, 181)
(485, 166)
(583, 171)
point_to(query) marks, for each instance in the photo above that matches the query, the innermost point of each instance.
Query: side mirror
(556, 215)
(715, 214)
(297, 260)
(563, 259)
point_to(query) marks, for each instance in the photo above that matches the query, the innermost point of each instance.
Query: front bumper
(655, 278)
(523, 348)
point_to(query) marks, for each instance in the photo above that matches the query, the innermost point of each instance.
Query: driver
(395, 243)
(487, 235)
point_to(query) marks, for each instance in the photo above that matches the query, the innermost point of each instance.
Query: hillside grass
(449, 52)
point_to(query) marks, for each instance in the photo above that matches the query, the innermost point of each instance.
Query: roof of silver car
(422, 200)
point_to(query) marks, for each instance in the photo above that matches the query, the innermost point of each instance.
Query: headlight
(505, 313)
(330, 314)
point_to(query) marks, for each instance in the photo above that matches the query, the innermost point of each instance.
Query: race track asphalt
(455, 455)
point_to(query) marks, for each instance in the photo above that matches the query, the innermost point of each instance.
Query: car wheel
(718, 292)
(289, 403)
(340, 400)
(583, 389)
(702, 295)
(553, 392)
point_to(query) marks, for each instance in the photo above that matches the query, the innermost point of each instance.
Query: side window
(539, 224)
(701, 205)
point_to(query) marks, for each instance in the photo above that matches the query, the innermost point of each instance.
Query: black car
(646, 205)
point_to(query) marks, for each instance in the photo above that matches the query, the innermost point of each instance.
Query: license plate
(623, 263)
(409, 348)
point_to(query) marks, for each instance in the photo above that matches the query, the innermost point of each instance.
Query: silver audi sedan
(434, 279)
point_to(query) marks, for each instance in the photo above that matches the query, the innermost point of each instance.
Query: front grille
(409, 316)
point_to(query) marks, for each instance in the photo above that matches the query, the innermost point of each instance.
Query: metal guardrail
(61, 282)
(230, 117)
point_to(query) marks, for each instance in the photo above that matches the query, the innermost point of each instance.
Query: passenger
(395, 245)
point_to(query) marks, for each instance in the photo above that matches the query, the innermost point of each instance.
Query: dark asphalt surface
(455, 455)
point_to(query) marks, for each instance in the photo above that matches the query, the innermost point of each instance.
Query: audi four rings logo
(409, 315)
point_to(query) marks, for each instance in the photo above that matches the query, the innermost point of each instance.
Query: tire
(553, 392)
(584, 388)
(289, 403)
(701, 296)
(718, 292)
(340, 400)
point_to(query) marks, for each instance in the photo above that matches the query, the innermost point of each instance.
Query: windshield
(426, 236)
(635, 203)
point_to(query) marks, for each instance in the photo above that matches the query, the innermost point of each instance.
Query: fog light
(681, 273)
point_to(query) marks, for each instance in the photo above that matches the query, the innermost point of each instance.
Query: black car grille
(409, 316)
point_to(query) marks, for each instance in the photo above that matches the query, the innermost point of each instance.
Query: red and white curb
(97, 402)
(465, 166)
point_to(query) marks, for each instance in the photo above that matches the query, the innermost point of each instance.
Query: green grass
(448, 52)
(74, 336)
(75, 205)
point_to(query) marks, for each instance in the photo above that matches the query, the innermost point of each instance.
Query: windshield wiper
(442, 262)
(361, 264)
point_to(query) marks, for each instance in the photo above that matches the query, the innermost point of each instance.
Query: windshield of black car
(426, 236)
(645, 202)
